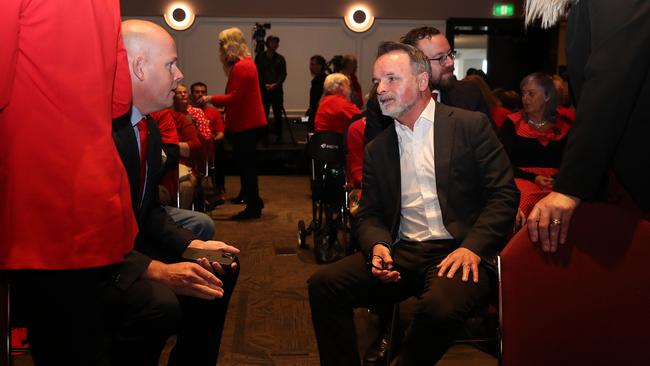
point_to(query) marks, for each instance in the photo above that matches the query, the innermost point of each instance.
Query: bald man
(154, 283)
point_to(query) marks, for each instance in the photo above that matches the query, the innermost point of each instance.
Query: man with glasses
(444, 86)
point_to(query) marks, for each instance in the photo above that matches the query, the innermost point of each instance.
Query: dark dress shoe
(377, 354)
(248, 213)
(238, 200)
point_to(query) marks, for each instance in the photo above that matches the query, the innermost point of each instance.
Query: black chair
(330, 221)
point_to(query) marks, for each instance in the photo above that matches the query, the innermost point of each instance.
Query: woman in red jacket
(245, 119)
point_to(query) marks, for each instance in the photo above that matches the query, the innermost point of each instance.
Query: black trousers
(145, 315)
(64, 313)
(245, 156)
(274, 98)
(442, 304)
(219, 174)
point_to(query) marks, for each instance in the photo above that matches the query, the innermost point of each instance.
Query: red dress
(65, 194)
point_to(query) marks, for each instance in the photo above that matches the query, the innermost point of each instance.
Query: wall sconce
(179, 16)
(359, 18)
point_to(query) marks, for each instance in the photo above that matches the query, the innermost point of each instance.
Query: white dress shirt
(421, 217)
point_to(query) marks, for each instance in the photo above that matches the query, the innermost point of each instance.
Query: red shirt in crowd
(334, 113)
(354, 156)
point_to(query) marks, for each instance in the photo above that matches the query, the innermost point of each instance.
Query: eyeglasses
(442, 60)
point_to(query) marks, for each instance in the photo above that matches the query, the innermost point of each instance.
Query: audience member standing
(58, 161)
(318, 70)
(245, 118)
(612, 121)
(349, 67)
(272, 68)
(197, 91)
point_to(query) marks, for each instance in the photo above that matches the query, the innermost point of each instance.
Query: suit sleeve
(613, 74)
(501, 197)
(9, 29)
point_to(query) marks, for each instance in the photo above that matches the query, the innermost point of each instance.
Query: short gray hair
(419, 62)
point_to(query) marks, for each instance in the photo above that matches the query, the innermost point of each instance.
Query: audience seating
(588, 303)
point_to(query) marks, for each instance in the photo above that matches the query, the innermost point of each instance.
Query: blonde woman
(245, 120)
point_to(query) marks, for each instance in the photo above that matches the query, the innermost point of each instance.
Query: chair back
(326, 146)
(586, 304)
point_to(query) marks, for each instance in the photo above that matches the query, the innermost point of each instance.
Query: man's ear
(137, 66)
(423, 81)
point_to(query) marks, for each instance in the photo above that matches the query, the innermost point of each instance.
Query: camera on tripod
(259, 32)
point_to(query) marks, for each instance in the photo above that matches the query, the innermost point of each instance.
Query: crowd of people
(445, 168)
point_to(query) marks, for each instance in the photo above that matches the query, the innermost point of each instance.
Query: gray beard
(548, 11)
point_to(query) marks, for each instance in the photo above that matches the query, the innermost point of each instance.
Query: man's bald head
(153, 64)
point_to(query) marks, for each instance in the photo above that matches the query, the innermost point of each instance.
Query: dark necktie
(142, 127)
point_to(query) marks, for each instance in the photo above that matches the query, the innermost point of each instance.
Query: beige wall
(300, 39)
(385, 9)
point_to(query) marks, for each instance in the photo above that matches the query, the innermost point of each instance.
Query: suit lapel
(393, 176)
(127, 147)
(443, 144)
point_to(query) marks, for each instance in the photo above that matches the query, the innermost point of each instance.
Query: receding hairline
(139, 36)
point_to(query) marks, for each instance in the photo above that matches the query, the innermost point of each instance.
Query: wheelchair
(330, 224)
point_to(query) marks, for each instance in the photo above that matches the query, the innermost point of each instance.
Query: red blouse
(354, 157)
(243, 100)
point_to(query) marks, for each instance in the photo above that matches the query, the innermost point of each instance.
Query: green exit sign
(503, 10)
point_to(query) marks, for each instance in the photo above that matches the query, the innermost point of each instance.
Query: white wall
(300, 39)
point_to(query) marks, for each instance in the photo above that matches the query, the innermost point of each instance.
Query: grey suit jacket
(474, 181)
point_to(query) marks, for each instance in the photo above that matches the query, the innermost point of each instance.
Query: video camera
(259, 32)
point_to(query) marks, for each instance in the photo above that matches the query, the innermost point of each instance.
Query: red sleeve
(167, 126)
(122, 80)
(236, 82)
(187, 133)
(9, 29)
(351, 110)
(355, 146)
(216, 122)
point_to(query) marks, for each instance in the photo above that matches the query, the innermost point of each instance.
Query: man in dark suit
(445, 89)
(444, 86)
(608, 54)
(438, 200)
(156, 293)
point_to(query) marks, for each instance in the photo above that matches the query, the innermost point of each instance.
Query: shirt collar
(427, 116)
(136, 116)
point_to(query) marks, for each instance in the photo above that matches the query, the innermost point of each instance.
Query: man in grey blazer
(438, 201)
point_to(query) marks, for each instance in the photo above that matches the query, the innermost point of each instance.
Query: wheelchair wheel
(302, 235)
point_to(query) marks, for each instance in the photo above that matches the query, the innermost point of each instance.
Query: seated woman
(534, 139)
(335, 110)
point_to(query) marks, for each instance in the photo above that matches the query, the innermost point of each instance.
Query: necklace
(537, 124)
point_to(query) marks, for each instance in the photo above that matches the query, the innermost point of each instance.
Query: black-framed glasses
(442, 60)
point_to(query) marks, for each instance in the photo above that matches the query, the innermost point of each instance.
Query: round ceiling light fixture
(179, 16)
(359, 18)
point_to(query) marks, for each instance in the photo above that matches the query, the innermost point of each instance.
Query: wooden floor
(269, 320)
